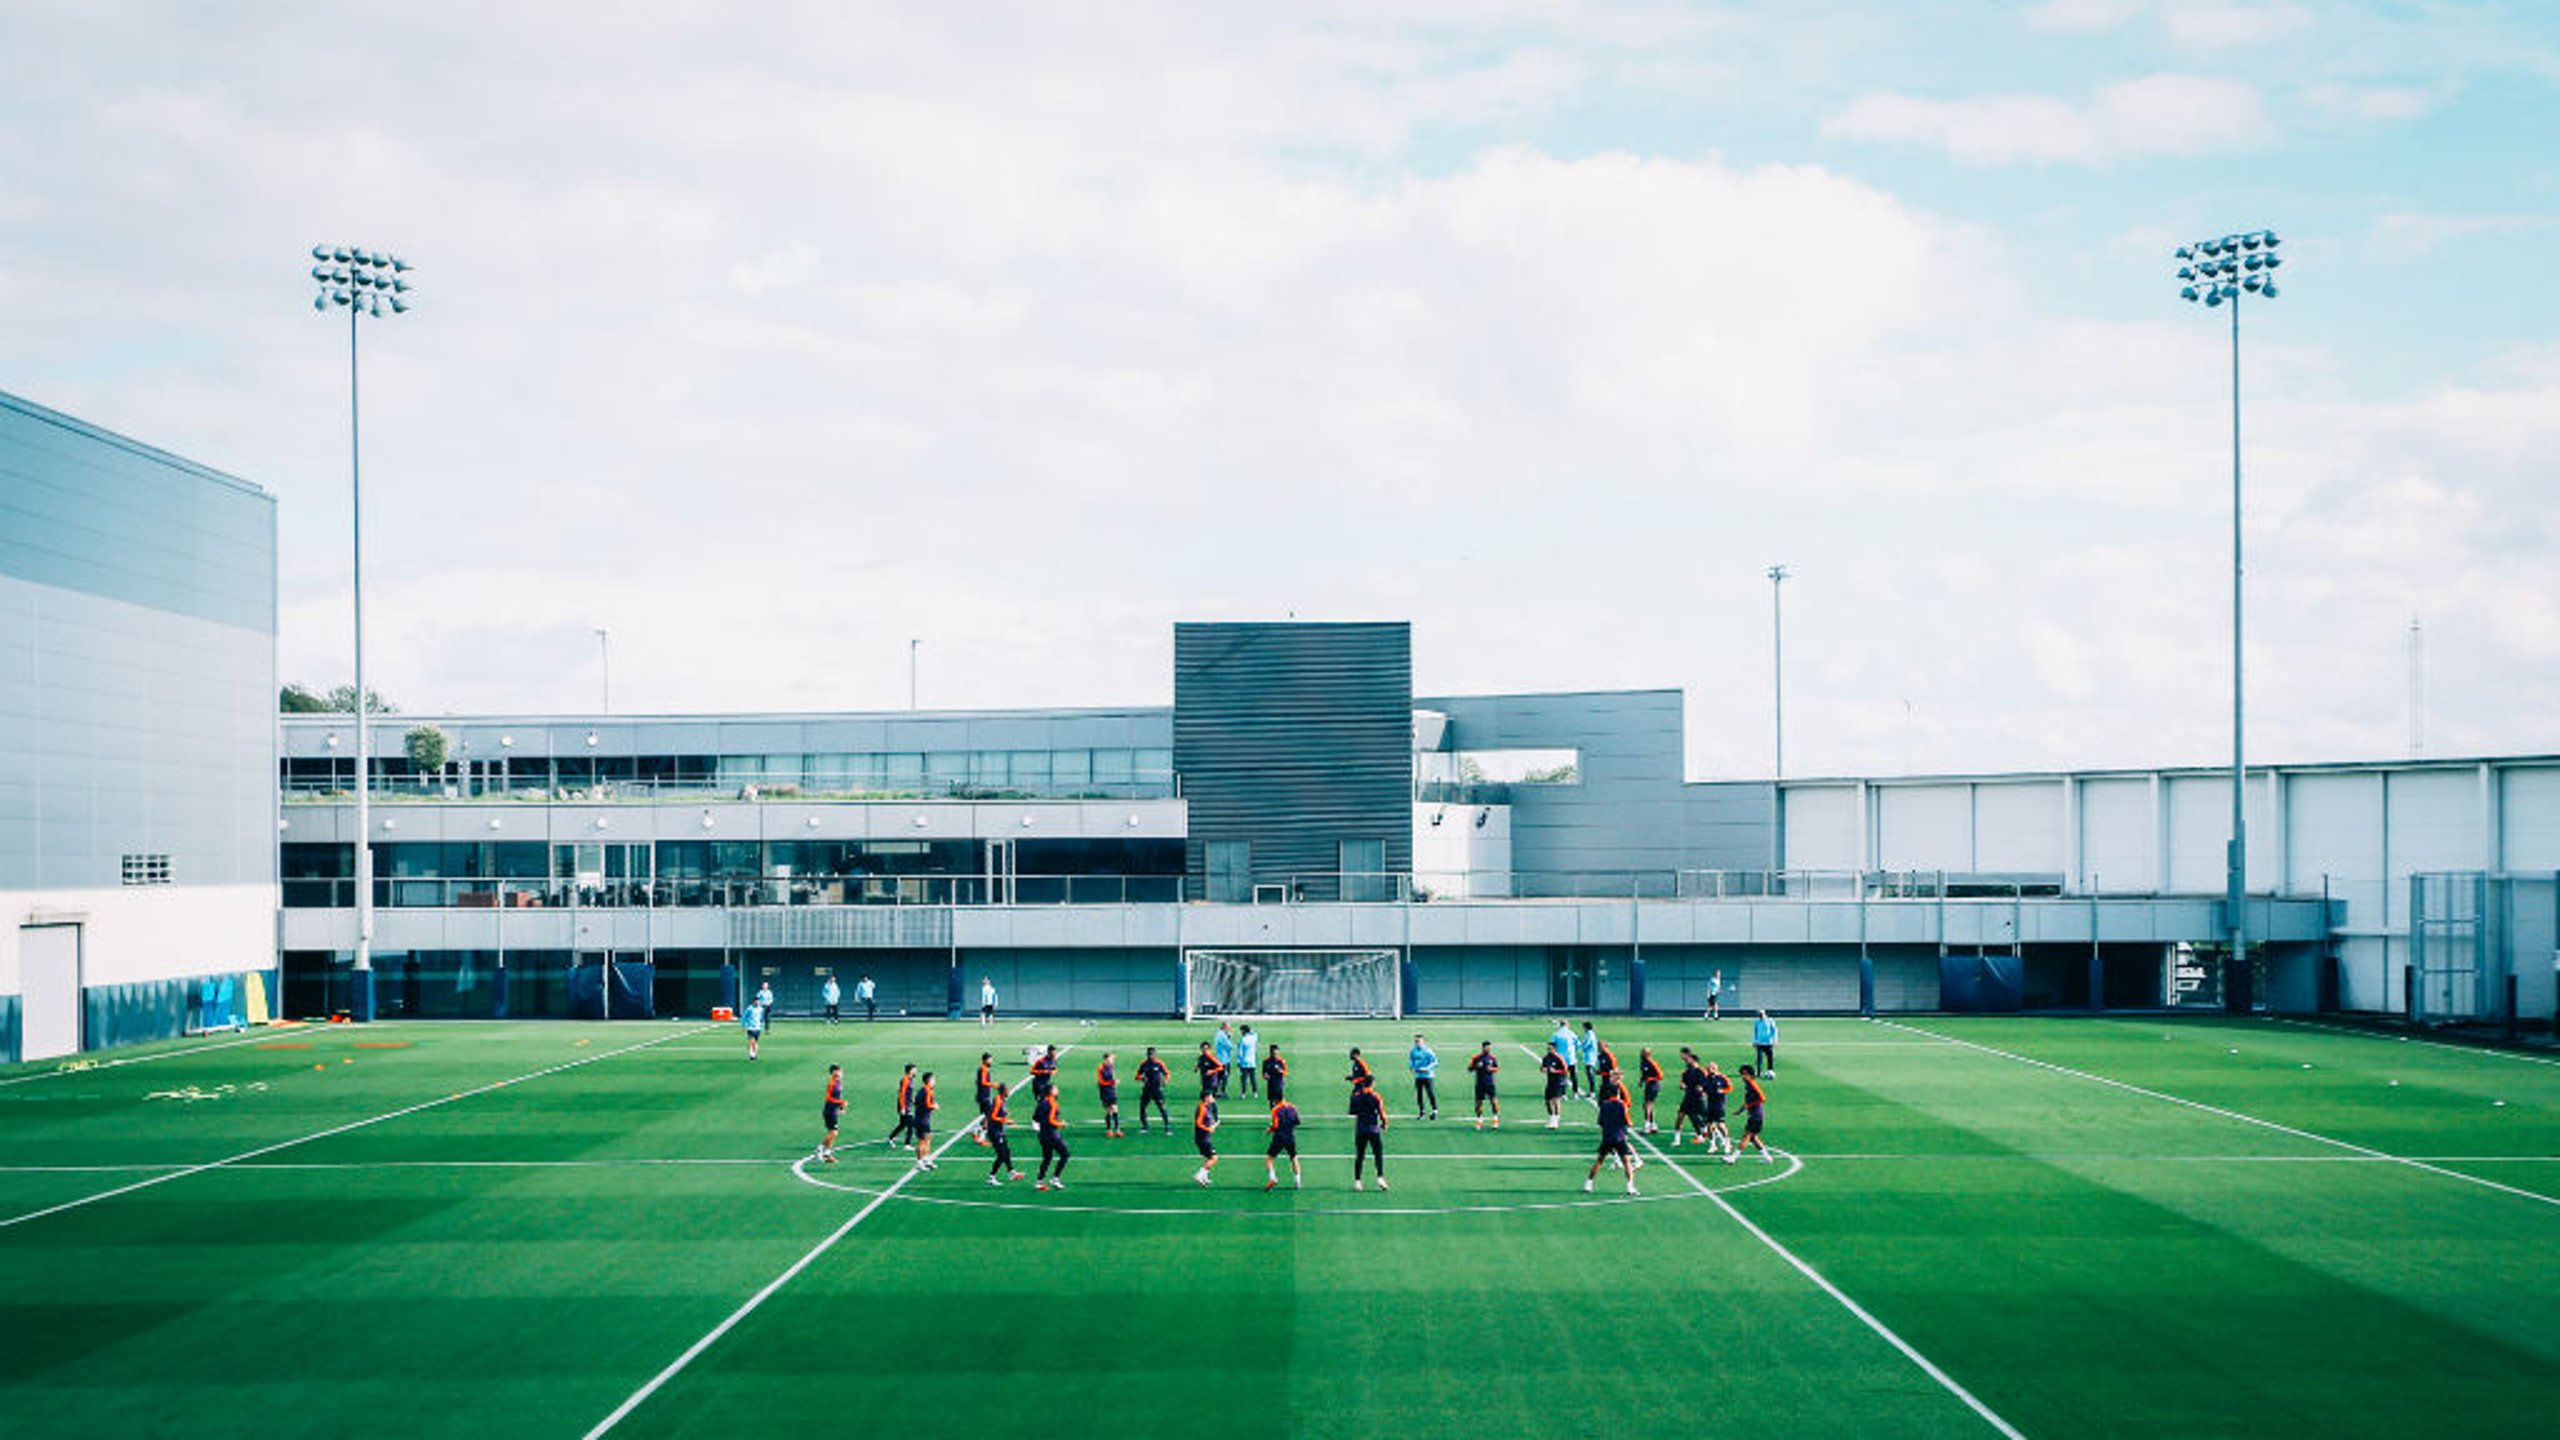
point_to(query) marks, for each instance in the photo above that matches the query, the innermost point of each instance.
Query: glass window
(1114, 767)
(1028, 769)
(1364, 864)
(903, 773)
(1070, 769)
(946, 769)
(987, 768)
(1155, 767)
(1230, 870)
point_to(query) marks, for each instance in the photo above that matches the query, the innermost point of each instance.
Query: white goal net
(1292, 982)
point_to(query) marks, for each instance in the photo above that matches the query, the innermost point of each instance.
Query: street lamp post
(604, 653)
(912, 646)
(1778, 670)
(2213, 273)
(360, 282)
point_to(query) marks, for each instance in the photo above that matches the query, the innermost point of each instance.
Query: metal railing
(392, 790)
(668, 892)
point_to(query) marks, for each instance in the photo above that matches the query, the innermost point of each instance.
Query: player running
(1204, 1124)
(1151, 1080)
(1223, 1046)
(1284, 1141)
(1044, 1072)
(1484, 1067)
(1369, 1129)
(1717, 1136)
(1426, 1070)
(832, 1110)
(1649, 1073)
(1693, 1099)
(1106, 1083)
(1053, 1145)
(905, 1128)
(920, 1119)
(1275, 1076)
(986, 1090)
(1753, 1098)
(753, 1023)
(1559, 1075)
(1614, 1144)
(993, 1122)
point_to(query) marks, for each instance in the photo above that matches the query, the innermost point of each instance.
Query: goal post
(1298, 983)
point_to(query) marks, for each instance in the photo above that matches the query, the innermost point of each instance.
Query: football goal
(1292, 982)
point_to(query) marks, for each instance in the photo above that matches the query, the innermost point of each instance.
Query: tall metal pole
(2217, 271)
(361, 283)
(364, 751)
(911, 672)
(1778, 669)
(604, 651)
(2238, 881)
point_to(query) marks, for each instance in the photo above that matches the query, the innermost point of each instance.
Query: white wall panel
(2334, 830)
(1822, 828)
(2530, 818)
(2435, 825)
(1925, 827)
(2018, 825)
(2119, 844)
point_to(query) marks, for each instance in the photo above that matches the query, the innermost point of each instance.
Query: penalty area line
(245, 1155)
(694, 1351)
(1883, 1331)
(2240, 1115)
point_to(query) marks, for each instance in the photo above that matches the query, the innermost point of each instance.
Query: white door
(49, 991)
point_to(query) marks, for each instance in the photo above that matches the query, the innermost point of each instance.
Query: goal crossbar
(1294, 983)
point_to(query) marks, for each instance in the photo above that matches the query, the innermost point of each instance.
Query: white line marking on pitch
(2485, 1052)
(2241, 1116)
(333, 1130)
(677, 1366)
(75, 1067)
(1928, 1367)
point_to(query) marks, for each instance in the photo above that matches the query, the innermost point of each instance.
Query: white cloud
(2405, 236)
(773, 348)
(2209, 24)
(2155, 115)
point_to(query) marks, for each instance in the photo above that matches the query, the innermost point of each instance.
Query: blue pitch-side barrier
(1981, 984)
(634, 990)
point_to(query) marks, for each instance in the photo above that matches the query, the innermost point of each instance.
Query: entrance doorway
(48, 991)
(1568, 978)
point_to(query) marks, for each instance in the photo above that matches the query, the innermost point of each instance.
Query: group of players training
(1571, 1066)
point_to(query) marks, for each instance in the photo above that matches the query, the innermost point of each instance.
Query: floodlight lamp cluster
(2228, 267)
(369, 282)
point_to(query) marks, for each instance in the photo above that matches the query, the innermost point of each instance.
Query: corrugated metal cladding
(1294, 738)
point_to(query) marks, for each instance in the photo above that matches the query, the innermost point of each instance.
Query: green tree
(297, 698)
(427, 749)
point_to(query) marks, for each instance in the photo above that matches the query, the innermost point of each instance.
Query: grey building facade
(137, 702)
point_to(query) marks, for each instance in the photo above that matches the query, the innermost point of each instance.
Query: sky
(771, 338)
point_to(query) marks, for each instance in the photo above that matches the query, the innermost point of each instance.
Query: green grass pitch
(1979, 1227)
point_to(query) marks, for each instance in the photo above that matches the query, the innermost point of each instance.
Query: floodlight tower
(360, 282)
(2214, 273)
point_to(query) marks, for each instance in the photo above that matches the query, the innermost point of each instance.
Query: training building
(1298, 830)
(137, 738)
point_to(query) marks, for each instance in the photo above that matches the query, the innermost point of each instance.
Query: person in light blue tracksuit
(1563, 1041)
(1223, 1046)
(1426, 1073)
(1764, 1044)
(753, 1023)
(1586, 1053)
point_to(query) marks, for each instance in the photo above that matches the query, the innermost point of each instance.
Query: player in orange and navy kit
(1368, 1129)
(1053, 1145)
(921, 1106)
(1606, 1064)
(1614, 1145)
(833, 1111)
(1484, 1067)
(1044, 1072)
(986, 1088)
(905, 1128)
(1559, 1073)
(1359, 1075)
(1275, 1075)
(1204, 1124)
(1151, 1080)
(1753, 1098)
(1212, 1074)
(1106, 1081)
(994, 1122)
(1649, 1071)
(1284, 1141)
